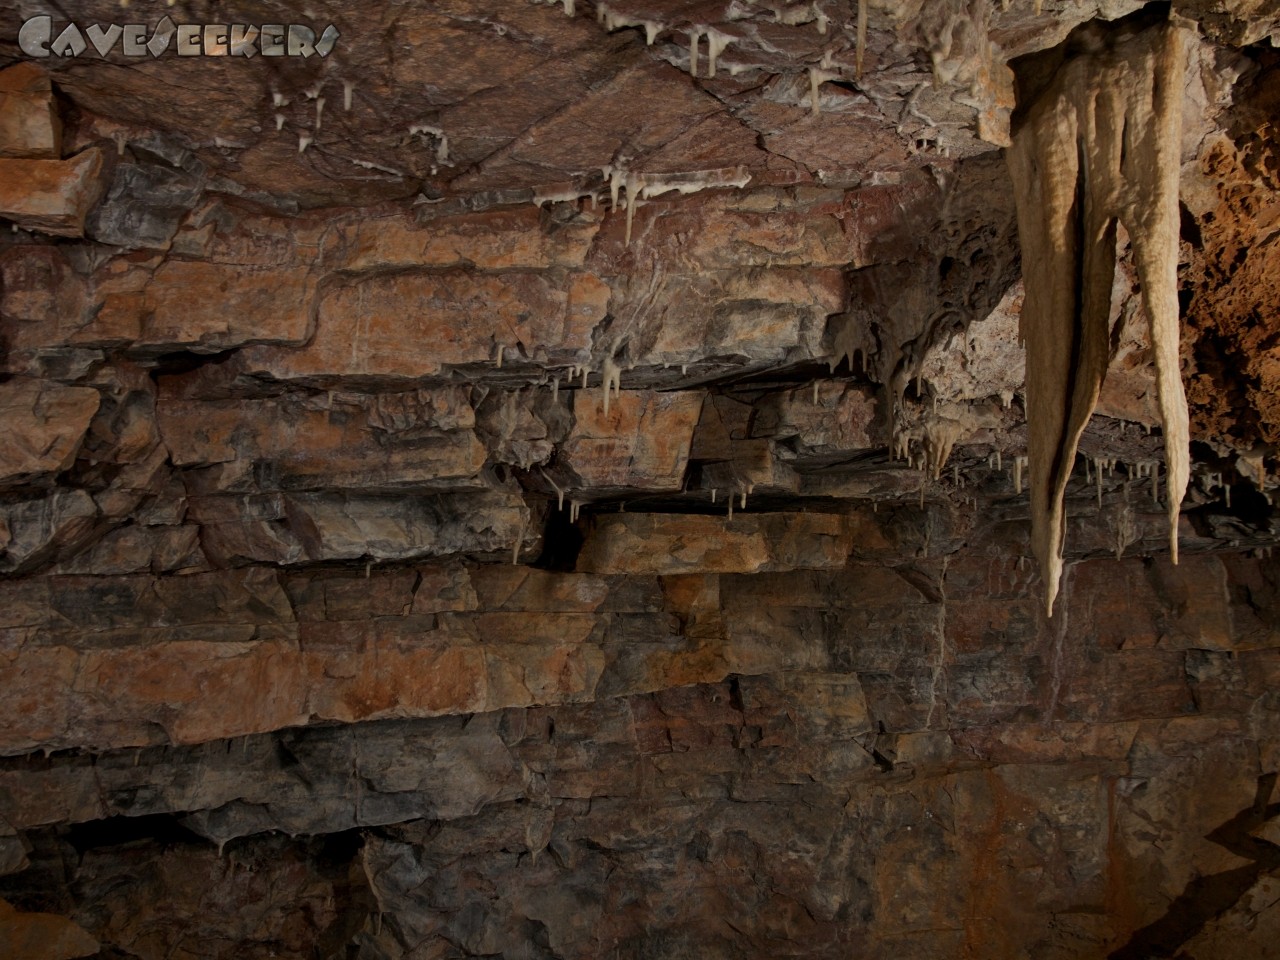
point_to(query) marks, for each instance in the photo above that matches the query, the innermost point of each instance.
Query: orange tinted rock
(641, 443)
(45, 423)
(537, 674)
(389, 679)
(36, 706)
(51, 196)
(493, 240)
(42, 936)
(208, 306)
(763, 229)
(692, 543)
(763, 315)
(29, 121)
(193, 690)
(413, 325)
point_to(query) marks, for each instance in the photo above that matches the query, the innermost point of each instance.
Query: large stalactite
(1097, 146)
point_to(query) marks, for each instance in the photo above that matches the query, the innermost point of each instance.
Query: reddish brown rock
(29, 123)
(1234, 393)
(641, 443)
(46, 423)
(495, 240)
(828, 418)
(330, 322)
(751, 543)
(51, 196)
(767, 228)
(524, 588)
(42, 936)
(136, 549)
(333, 442)
(199, 306)
(212, 306)
(413, 325)
(762, 315)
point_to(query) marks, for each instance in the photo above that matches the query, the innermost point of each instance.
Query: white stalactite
(717, 42)
(1099, 146)
(817, 77)
(516, 547)
(610, 379)
(631, 204)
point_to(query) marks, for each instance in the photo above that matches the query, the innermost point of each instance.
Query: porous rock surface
(547, 480)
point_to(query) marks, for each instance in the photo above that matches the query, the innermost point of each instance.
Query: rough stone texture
(757, 543)
(419, 439)
(52, 196)
(42, 936)
(338, 617)
(29, 122)
(641, 442)
(45, 423)
(934, 721)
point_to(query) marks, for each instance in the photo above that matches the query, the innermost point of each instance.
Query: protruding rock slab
(356, 526)
(681, 543)
(411, 325)
(641, 443)
(42, 936)
(212, 306)
(29, 122)
(44, 423)
(51, 196)
(335, 527)
(492, 240)
(417, 439)
(828, 418)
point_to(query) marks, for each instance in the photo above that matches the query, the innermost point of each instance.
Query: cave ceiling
(831, 195)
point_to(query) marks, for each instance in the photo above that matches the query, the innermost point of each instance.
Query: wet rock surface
(548, 480)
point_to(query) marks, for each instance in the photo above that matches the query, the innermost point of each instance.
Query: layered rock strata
(550, 480)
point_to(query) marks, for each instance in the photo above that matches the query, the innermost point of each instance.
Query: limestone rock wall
(421, 542)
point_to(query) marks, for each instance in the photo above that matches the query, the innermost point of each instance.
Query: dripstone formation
(640, 479)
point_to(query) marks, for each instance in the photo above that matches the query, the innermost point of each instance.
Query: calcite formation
(561, 480)
(1097, 150)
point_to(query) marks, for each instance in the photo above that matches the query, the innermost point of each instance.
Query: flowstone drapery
(1097, 147)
